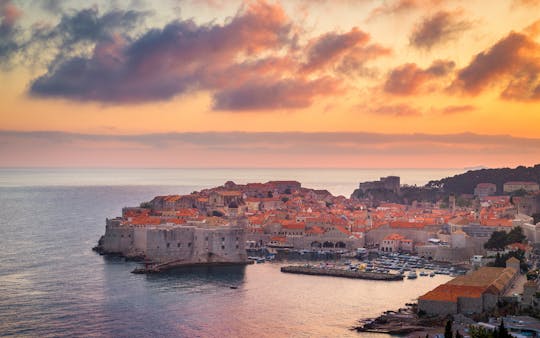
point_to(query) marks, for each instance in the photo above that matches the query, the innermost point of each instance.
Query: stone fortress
(192, 243)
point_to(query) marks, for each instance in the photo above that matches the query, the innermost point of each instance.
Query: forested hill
(465, 183)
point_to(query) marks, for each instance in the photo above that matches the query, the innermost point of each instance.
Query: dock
(319, 271)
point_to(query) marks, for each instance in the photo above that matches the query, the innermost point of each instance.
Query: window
(223, 247)
(178, 245)
(237, 246)
(168, 245)
(189, 244)
(206, 238)
(223, 239)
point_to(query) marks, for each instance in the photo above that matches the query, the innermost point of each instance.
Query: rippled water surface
(52, 284)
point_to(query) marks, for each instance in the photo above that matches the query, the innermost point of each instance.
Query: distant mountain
(465, 183)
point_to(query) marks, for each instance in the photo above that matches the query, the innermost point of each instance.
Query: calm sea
(52, 284)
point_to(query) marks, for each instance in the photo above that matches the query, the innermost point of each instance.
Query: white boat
(423, 273)
(432, 274)
(412, 275)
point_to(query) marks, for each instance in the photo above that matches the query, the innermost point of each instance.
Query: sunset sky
(297, 83)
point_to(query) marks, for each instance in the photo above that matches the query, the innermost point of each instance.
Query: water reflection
(221, 276)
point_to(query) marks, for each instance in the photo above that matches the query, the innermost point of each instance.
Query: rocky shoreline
(401, 322)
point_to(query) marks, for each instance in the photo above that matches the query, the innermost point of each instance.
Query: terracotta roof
(450, 292)
(520, 246)
(230, 193)
(394, 237)
(315, 230)
(484, 280)
(293, 225)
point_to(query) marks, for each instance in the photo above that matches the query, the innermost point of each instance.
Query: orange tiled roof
(394, 237)
(503, 222)
(293, 225)
(315, 230)
(450, 292)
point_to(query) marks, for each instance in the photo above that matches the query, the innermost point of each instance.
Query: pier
(318, 271)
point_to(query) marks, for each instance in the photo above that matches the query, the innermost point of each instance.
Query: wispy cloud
(438, 29)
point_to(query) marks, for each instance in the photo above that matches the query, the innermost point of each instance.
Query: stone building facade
(192, 243)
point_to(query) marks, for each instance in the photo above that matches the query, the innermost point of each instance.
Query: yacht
(412, 275)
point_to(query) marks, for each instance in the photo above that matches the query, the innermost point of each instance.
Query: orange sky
(402, 83)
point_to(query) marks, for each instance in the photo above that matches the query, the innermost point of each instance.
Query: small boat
(260, 260)
(423, 273)
(412, 275)
(432, 274)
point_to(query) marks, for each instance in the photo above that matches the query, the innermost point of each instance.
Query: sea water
(52, 284)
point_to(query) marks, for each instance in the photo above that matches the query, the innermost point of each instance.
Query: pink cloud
(409, 79)
(510, 65)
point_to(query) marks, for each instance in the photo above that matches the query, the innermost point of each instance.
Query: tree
(458, 335)
(503, 332)
(500, 260)
(448, 330)
(515, 236)
(500, 239)
(480, 332)
(496, 241)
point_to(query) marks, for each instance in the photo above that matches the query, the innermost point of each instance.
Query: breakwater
(324, 271)
(162, 267)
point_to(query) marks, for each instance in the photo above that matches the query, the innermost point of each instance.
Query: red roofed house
(476, 292)
(396, 243)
